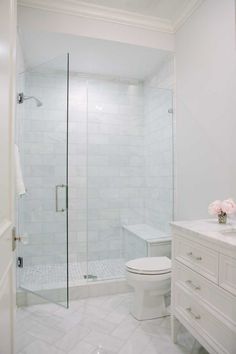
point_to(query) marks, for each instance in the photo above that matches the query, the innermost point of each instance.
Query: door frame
(8, 12)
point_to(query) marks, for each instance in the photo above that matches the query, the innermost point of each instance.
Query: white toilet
(151, 279)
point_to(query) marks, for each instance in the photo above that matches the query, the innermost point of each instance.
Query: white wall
(20, 62)
(206, 108)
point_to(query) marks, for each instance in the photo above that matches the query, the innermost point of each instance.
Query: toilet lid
(149, 265)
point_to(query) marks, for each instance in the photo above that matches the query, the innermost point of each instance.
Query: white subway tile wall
(158, 157)
(116, 164)
(78, 149)
(134, 246)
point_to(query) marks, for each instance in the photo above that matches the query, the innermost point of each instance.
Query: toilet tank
(142, 240)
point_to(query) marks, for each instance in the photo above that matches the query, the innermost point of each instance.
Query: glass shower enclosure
(109, 166)
(42, 212)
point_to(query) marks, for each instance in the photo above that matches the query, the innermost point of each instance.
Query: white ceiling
(165, 9)
(91, 55)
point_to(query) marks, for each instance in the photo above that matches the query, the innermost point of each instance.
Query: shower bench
(142, 240)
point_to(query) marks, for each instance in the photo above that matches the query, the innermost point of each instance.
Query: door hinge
(20, 263)
(13, 238)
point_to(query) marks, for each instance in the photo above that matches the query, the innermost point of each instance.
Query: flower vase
(222, 218)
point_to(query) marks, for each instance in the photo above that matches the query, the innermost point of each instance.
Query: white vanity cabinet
(204, 284)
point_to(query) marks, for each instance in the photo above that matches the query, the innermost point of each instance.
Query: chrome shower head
(21, 98)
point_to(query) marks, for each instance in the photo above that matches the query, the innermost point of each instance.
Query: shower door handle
(58, 187)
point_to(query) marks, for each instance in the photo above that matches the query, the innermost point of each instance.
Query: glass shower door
(42, 137)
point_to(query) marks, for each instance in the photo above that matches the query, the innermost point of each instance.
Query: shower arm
(21, 98)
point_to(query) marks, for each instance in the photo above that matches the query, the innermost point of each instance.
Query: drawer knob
(195, 287)
(196, 317)
(197, 258)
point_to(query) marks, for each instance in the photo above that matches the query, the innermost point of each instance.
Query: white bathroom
(118, 214)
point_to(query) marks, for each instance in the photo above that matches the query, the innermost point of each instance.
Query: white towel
(20, 187)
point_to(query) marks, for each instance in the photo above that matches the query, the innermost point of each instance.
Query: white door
(7, 103)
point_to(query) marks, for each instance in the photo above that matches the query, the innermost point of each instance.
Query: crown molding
(102, 13)
(106, 14)
(189, 9)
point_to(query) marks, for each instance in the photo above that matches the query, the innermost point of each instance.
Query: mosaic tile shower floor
(51, 276)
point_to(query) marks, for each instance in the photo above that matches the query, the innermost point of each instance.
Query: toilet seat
(149, 265)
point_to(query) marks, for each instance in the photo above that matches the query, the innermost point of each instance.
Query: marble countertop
(209, 229)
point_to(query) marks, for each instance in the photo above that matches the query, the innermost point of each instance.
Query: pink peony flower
(215, 207)
(228, 206)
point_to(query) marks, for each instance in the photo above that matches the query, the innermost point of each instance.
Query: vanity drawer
(197, 315)
(204, 290)
(227, 276)
(199, 258)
